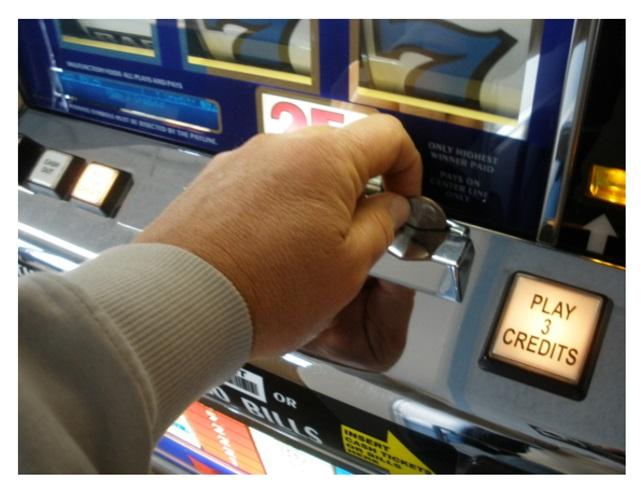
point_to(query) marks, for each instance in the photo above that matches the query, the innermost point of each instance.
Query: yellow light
(547, 328)
(608, 184)
(94, 184)
(606, 263)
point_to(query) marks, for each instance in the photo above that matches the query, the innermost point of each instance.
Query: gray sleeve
(113, 351)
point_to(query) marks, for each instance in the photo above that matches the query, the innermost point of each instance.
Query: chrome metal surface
(428, 236)
(37, 259)
(443, 273)
(582, 51)
(456, 253)
(478, 439)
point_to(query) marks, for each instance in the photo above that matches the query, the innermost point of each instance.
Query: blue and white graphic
(473, 64)
(278, 44)
(170, 107)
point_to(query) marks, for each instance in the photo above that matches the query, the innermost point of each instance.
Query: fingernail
(400, 210)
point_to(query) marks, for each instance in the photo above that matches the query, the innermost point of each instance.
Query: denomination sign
(279, 113)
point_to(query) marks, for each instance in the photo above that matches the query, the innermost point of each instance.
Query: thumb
(374, 224)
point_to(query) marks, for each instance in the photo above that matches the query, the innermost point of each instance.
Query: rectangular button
(94, 184)
(54, 173)
(50, 168)
(547, 329)
(101, 188)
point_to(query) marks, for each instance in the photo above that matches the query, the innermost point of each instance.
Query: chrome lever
(423, 232)
(445, 245)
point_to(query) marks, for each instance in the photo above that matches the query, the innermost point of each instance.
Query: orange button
(94, 184)
(547, 327)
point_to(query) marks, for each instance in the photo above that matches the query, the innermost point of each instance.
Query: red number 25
(299, 119)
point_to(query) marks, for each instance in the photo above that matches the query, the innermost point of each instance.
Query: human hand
(370, 332)
(284, 218)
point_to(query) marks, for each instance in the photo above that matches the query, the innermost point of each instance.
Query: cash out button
(54, 173)
(547, 335)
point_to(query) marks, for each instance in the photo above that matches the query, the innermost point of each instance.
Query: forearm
(161, 324)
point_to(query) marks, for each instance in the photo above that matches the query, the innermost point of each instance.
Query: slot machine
(515, 359)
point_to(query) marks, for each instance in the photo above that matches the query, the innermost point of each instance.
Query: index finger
(383, 147)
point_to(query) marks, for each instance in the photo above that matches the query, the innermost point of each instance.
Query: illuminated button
(54, 173)
(94, 184)
(608, 184)
(101, 188)
(549, 331)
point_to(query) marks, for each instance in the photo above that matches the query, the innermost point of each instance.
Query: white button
(50, 168)
(547, 328)
(94, 184)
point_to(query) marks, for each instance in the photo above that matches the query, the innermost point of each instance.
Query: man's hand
(284, 218)
(370, 332)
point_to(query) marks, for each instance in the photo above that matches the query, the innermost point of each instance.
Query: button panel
(91, 185)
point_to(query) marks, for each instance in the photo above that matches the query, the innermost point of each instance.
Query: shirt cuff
(187, 323)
